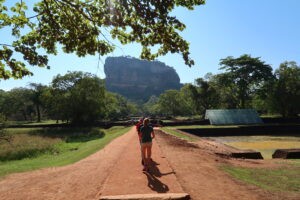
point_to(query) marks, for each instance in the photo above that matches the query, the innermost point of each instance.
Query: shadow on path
(154, 183)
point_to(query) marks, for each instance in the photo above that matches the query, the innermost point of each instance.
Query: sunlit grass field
(34, 148)
(203, 126)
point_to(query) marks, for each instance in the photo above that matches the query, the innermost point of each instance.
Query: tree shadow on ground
(154, 183)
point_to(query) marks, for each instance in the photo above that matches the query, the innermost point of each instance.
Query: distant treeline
(76, 97)
(81, 97)
(246, 83)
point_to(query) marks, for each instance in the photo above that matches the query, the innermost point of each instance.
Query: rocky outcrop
(139, 79)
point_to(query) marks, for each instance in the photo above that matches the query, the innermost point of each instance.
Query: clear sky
(269, 29)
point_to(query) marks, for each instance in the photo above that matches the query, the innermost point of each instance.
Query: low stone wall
(287, 153)
(247, 155)
(246, 130)
(280, 120)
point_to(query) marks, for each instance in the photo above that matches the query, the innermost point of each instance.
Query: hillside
(139, 79)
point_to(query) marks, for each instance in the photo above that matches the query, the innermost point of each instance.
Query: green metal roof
(233, 116)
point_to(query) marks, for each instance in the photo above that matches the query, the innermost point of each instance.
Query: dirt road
(127, 176)
(178, 167)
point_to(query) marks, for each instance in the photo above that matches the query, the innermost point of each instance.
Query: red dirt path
(127, 176)
(181, 167)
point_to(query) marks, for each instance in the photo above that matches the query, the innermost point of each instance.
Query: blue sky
(269, 29)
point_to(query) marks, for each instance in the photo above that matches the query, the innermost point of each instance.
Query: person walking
(138, 127)
(146, 137)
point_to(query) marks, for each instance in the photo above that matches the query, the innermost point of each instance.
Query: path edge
(164, 196)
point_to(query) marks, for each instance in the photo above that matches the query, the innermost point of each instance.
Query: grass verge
(205, 126)
(178, 134)
(72, 147)
(289, 162)
(227, 126)
(284, 179)
(43, 122)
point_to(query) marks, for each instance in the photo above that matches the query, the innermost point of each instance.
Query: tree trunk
(24, 115)
(243, 103)
(38, 113)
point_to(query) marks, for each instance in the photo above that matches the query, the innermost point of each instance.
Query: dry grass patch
(26, 146)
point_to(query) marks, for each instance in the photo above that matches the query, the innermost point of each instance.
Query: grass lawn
(285, 179)
(290, 162)
(167, 120)
(35, 148)
(43, 122)
(202, 126)
(271, 115)
(188, 117)
(223, 126)
(178, 134)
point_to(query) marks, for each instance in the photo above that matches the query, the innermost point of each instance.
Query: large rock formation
(139, 79)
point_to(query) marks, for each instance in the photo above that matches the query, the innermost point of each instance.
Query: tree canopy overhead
(80, 26)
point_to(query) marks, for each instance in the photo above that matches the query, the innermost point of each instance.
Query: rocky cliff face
(139, 79)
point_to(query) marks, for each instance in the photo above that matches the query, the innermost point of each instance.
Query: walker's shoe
(142, 162)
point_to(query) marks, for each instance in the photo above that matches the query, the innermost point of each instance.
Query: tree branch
(79, 10)
(8, 45)
(21, 5)
(35, 16)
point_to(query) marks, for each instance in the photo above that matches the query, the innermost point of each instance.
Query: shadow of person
(155, 184)
(154, 170)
